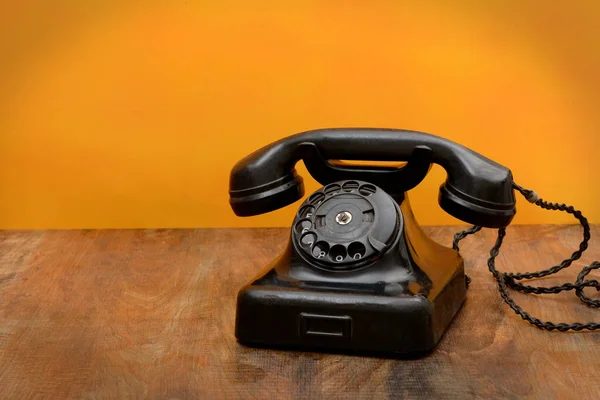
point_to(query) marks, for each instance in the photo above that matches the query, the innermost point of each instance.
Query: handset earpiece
(267, 197)
(477, 190)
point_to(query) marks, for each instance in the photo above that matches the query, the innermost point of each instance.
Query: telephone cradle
(358, 274)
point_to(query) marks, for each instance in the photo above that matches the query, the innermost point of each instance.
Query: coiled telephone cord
(506, 280)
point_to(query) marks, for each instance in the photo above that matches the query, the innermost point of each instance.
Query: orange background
(131, 114)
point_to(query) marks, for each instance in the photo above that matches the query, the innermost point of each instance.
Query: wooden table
(150, 314)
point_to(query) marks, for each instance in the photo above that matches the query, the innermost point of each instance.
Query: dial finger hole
(306, 212)
(350, 186)
(337, 253)
(303, 226)
(367, 190)
(332, 189)
(316, 198)
(308, 239)
(357, 250)
(320, 250)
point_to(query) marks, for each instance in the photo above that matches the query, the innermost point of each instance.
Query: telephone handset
(358, 273)
(478, 190)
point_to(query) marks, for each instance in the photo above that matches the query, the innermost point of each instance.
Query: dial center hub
(343, 218)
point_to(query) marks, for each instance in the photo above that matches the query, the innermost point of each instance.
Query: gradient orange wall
(131, 114)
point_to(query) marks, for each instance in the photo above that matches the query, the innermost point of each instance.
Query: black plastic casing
(400, 304)
(402, 300)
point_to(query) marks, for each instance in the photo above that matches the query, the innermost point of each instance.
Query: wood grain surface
(150, 314)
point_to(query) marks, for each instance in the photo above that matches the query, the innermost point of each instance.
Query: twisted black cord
(506, 280)
(460, 236)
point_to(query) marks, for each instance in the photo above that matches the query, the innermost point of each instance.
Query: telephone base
(288, 317)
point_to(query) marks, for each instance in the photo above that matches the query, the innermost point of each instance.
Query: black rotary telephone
(358, 273)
